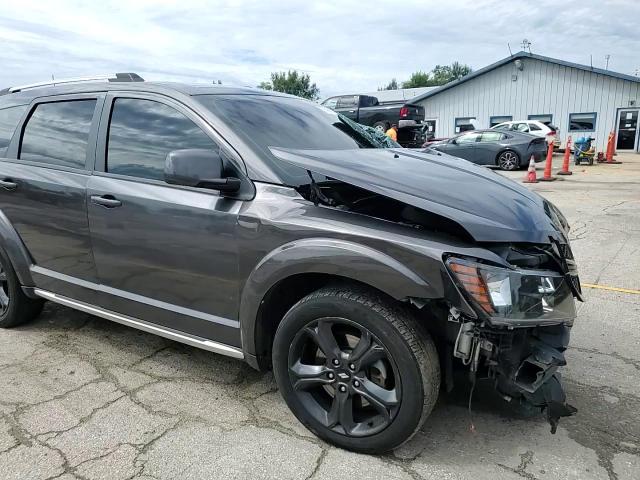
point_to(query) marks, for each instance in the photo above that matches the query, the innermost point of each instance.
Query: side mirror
(198, 168)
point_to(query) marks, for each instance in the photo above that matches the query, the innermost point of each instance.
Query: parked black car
(259, 226)
(366, 110)
(507, 150)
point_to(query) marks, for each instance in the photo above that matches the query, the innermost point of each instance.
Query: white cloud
(346, 45)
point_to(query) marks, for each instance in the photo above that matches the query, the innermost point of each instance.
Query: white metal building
(578, 99)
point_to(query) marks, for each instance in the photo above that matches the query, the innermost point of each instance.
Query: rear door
(348, 106)
(164, 253)
(43, 190)
(487, 147)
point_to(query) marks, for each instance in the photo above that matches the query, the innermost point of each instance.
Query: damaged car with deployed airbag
(268, 228)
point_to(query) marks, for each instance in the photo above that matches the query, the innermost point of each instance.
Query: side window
(9, 118)
(534, 127)
(491, 137)
(348, 101)
(467, 138)
(331, 103)
(521, 127)
(143, 132)
(58, 133)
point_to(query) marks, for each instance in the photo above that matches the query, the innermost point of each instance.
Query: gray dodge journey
(268, 228)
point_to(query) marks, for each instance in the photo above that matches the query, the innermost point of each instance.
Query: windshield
(272, 121)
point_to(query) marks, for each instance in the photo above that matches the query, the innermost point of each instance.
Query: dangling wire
(472, 427)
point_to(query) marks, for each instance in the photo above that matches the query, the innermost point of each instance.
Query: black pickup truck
(366, 110)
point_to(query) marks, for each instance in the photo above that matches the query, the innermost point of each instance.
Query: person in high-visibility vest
(392, 133)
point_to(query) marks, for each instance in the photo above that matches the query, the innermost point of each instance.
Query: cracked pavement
(83, 398)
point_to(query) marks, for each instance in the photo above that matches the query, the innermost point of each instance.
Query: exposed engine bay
(523, 327)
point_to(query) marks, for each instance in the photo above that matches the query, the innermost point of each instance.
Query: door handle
(108, 201)
(8, 184)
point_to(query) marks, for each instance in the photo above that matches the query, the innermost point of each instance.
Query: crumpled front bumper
(525, 366)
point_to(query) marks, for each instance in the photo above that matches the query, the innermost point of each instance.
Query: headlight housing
(514, 296)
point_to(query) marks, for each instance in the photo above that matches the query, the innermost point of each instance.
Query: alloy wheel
(508, 161)
(344, 377)
(4, 291)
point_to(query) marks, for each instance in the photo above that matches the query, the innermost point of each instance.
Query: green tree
(392, 85)
(418, 79)
(448, 73)
(292, 82)
(440, 75)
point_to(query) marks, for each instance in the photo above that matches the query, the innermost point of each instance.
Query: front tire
(15, 307)
(508, 160)
(354, 369)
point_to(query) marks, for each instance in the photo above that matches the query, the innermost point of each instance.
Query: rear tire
(382, 126)
(508, 160)
(387, 370)
(15, 307)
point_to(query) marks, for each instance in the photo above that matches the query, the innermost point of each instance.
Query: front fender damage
(523, 363)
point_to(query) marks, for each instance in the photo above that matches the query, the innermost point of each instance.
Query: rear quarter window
(9, 118)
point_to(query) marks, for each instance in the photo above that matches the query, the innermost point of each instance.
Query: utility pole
(607, 57)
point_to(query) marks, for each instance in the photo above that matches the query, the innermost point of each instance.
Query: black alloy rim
(4, 291)
(344, 377)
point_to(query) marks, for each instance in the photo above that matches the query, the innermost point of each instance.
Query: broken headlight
(513, 295)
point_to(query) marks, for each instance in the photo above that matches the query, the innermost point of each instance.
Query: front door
(43, 191)
(165, 254)
(627, 134)
(464, 146)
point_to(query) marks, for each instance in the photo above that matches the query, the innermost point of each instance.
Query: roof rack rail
(114, 77)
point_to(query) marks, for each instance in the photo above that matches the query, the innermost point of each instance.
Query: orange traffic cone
(531, 172)
(547, 166)
(565, 160)
(610, 150)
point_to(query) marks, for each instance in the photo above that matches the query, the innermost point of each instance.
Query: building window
(463, 124)
(582, 122)
(496, 119)
(545, 118)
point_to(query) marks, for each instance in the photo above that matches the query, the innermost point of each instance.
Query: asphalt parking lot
(81, 397)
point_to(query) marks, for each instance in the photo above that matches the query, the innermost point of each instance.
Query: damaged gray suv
(268, 228)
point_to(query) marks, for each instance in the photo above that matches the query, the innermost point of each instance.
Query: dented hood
(489, 206)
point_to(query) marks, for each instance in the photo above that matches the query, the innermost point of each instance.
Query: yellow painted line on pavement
(613, 289)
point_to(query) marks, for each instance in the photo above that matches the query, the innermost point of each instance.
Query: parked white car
(532, 127)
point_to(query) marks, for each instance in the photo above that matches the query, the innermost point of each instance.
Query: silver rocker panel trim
(169, 333)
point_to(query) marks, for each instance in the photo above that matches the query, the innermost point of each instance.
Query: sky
(345, 46)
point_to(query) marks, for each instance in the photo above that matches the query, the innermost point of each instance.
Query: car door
(487, 147)
(164, 253)
(43, 192)
(464, 146)
(348, 106)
